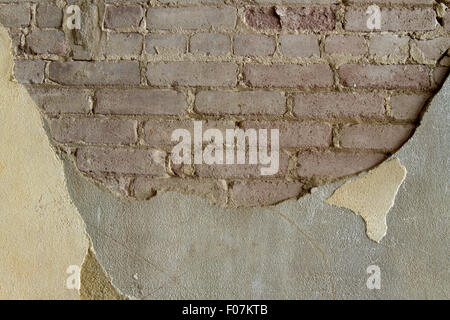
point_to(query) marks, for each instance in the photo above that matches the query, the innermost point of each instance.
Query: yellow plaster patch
(42, 233)
(95, 283)
(372, 196)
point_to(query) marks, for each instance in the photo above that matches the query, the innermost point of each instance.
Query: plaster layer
(372, 196)
(180, 246)
(42, 233)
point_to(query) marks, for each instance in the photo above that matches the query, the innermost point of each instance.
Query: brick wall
(343, 97)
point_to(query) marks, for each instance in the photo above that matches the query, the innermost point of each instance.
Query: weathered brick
(387, 45)
(126, 161)
(210, 44)
(215, 190)
(154, 43)
(191, 18)
(346, 45)
(119, 185)
(140, 101)
(15, 15)
(240, 102)
(375, 136)
(295, 134)
(408, 106)
(263, 193)
(123, 17)
(29, 71)
(307, 18)
(398, 19)
(433, 49)
(47, 42)
(408, 2)
(253, 45)
(124, 45)
(335, 164)
(16, 40)
(298, 1)
(262, 18)
(88, 130)
(95, 73)
(384, 77)
(157, 133)
(447, 21)
(440, 75)
(49, 16)
(240, 171)
(291, 18)
(60, 100)
(304, 45)
(339, 105)
(287, 75)
(192, 73)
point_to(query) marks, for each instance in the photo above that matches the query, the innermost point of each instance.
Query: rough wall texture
(343, 97)
(42, 233)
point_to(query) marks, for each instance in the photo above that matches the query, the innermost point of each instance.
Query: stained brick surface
(342, 96)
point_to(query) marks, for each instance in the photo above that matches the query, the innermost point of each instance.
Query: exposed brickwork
(343, 97)
(410, 19)
(385, 77)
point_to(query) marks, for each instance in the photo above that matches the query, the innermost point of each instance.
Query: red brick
(241, 171)
(346, 45)
(123, 45)
(299, 45)
(29, 71)
(335, 164)
(339, 105)
(253, 45)
(307, 18)
(375, 136)
(201, 17)
(157, 133)
(126, 161)
(263, 193)
(117, 184)
(60, 100)
(262, 18)
(210, 44)
(192, 73)
(215, 190)
(47, 42)
(295, 134)
(384, 77)
(88, 130)
(447, 21)
(407, 2)
(288, 75)
(49, 16)
(386, 45)
(123, 17)
(154, 43)
(240, 102)
(433, 49)
(397, 19)
(440, 74)
(408, 106)
(291, 18)
(15, 15)
(140, 101)
(95, 73)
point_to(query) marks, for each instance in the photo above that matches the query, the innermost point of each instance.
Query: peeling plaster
(180, 246)
(372, 196)
(95, 283)
(42, 233)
